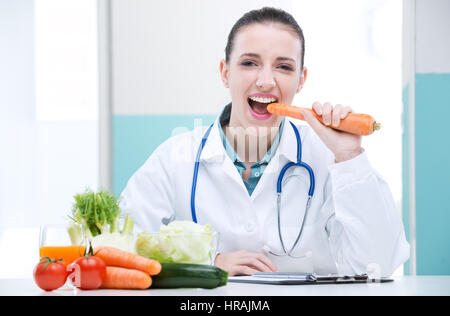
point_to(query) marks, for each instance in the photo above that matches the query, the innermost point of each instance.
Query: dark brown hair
(265, 15)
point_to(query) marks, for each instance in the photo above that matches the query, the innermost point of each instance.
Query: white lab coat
(352, 223)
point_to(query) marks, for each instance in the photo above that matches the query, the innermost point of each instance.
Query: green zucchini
(185, 275)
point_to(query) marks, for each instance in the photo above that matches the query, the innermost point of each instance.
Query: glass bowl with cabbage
(179, 242)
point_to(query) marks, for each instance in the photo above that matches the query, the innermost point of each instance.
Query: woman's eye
(248, 63)
(286, 67)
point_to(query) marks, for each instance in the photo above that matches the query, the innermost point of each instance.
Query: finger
(267, 262)
(255, 263)
(336, 115)
(260, 266)
(313, 122)
(345, 111)
(261, 257)
(243, 270)
(317, 107)
(326, 115)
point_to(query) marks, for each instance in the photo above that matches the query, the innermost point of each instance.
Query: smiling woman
(263, 64)
(338, 214)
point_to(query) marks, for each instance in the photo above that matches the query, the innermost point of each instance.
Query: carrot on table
(126, 279)
(124, 259)
(354, 123)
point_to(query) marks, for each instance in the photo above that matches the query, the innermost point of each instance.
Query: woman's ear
(303, 77)
(224, 73)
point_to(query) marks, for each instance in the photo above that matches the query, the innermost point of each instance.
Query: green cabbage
(180, 242)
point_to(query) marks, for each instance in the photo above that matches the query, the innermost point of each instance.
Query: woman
(351, 222)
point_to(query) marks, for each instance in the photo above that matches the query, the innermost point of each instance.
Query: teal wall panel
(135, 137)
(432, 113)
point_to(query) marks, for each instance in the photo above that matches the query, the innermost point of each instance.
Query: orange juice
(68, 253)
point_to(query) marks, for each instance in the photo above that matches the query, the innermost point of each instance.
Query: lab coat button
(249, 227)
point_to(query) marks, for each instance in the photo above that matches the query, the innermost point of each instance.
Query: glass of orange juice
(55, 243)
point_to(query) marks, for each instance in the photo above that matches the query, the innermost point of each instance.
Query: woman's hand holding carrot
(345, 146)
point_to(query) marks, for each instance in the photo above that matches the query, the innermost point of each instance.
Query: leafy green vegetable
(97, 212)
(180, 242)
(125, 241)
(99, 215)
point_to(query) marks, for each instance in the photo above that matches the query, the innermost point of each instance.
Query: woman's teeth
(262, 100)
(258, 107)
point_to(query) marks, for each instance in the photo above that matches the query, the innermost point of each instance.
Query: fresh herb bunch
(97, 212)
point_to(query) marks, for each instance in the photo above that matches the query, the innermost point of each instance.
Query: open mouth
(258, 107)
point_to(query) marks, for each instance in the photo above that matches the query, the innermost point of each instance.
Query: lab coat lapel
(288, 143)
(214, 152)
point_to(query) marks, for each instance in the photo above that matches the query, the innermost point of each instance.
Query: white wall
(48, 123)
(432, 36)
(166, 54)
(16, 110)
(48, 107)
(353, 56)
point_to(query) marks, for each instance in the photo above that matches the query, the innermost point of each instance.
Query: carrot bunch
(125, 270)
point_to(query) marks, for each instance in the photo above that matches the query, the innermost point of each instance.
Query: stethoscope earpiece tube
(196, 166)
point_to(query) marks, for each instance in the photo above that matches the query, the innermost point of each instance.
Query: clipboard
(286, 278)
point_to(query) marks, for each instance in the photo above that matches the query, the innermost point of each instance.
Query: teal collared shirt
(258, 167)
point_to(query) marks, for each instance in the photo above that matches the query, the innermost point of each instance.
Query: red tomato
(50, 274)
(87, 273)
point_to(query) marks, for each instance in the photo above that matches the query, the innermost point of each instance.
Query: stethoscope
(299, 163)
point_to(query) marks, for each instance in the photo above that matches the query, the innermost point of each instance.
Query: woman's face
(264, 67)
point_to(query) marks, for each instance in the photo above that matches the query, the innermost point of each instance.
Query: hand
(244, 263)
(344, 146)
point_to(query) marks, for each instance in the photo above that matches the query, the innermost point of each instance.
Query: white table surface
(407, 285)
